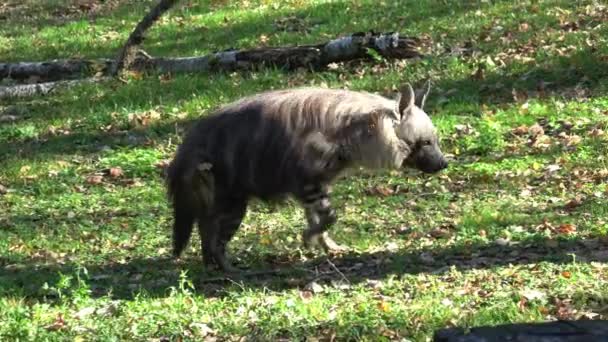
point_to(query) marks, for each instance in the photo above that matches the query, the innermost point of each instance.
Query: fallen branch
(137, 36)
(24, 90)
(355, 46)
(556, 331)
(54, 70)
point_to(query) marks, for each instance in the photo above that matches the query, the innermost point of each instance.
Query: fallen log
(557, 331)
(54, 70)
(26, 90)
(356, 46)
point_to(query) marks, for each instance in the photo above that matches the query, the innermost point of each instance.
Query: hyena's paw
(330, 246)
(309, 239)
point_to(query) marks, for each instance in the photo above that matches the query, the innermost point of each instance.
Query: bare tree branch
(137, 36)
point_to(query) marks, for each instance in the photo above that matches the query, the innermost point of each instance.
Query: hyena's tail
(190, 189)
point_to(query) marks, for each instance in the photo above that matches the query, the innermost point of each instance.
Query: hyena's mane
(266, 143)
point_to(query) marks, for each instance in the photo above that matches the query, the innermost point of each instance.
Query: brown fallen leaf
(520, 130)
(58, 324)
(596, 132)
(521, 305)
(95, 179)
(380, 190)
(566, 228)
(384, 306)
(115, 172)
(306, 295)
(536, 130)
(573, 203)
(439, 233)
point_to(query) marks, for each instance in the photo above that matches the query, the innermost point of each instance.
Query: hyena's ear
(421, 94)
(405, 100)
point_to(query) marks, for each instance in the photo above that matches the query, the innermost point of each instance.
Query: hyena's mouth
(424, 164)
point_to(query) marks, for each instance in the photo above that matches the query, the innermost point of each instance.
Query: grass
(514, 231)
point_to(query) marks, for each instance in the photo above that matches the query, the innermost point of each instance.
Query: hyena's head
(418, 132)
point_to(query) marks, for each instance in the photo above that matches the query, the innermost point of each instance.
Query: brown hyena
(290, 143)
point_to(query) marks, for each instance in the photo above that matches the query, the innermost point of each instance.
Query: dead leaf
(521, 305)
(306, 295)
(143, 119)
(596, 132)
(109, 310)
(58, 324)
(314, 287)
(384, 306)
(439, 233)
(536, 130)
(380, 190)
(573, 203)
(566, 228)
(82, 313)
(532, 294)
(203, 329)
(520, 130)
(95, 179)
(115, 172)
(564, 309)
(566, 274)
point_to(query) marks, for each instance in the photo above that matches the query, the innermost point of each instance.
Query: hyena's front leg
(320, 217)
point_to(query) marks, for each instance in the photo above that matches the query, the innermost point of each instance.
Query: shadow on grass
(154, 276)
(575, 76)
(323, 19)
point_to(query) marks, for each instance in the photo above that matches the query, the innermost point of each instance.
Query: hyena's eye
(426, 142)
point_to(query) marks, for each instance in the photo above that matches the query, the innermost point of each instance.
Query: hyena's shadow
(158, 277)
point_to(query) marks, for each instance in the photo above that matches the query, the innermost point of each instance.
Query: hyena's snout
(429, 159)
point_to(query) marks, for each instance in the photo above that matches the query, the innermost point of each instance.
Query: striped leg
(230, 222)
(320, 217)
(217, 231)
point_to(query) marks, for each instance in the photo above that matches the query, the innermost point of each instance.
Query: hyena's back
(255, 145)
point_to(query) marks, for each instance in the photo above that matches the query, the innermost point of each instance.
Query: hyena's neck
(370, 141)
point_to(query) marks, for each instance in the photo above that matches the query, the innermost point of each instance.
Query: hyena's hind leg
(230, 222)
(320, 217)
(217, 230)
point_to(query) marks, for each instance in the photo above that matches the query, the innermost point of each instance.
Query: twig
(243, 275)
(337, 270)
